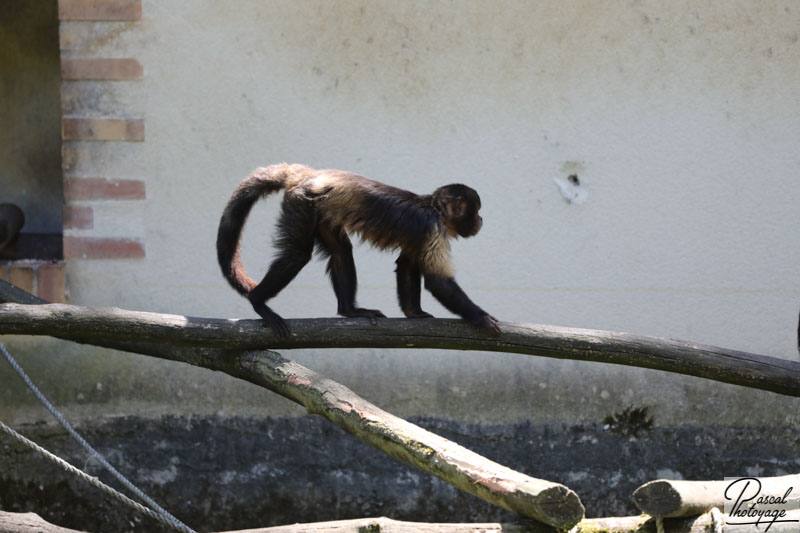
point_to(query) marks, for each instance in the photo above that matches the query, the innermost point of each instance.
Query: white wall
(681, 119)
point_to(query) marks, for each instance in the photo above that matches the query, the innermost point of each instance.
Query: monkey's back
(385, 216)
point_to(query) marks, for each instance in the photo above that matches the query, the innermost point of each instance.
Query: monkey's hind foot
(273, 319)
(278, 324)
(372, 314)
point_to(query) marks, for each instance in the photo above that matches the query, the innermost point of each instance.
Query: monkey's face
(459, 206)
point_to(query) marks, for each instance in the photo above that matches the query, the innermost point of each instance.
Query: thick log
(668, 498)
(709, 362)
(28, 523)
(625, 524)
(548, 502)
(31, 523)
(674, 498)
(387, 525)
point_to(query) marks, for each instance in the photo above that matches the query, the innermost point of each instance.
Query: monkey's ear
(444, 203)
(459, 206)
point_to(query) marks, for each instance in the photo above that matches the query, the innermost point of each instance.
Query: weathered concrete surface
(679, 119)
(224, 473)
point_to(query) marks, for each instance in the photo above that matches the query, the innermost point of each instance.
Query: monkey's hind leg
(342, 271)
(295, 243)
(409, 287)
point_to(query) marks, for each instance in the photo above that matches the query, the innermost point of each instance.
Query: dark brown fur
(321, 207)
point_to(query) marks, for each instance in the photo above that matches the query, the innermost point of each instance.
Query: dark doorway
(30, 115)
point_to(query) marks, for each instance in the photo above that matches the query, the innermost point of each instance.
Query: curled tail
(261, 182)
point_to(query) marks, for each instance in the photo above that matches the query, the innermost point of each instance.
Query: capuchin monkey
(321, 207)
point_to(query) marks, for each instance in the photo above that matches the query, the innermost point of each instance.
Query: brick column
(44, 279)
(87, 30)
(97, 125)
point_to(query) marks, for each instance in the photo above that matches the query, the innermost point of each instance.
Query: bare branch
(111, 324)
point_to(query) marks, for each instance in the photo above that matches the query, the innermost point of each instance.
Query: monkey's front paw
(489, 325)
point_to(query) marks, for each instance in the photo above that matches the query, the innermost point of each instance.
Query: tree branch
(112, 324)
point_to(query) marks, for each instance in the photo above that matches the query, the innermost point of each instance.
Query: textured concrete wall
(680, 121)
(221, 474)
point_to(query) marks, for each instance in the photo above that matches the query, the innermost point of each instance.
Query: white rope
(155, 510)
(84, 476)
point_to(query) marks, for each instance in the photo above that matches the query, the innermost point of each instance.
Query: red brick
(86, 189)
(77, 217)
(100, 69)
(102, 129)
(50, 281)
(22, 277)
(102, 248)
(99, 9)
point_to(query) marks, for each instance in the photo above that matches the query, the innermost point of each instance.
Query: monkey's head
(459, 206)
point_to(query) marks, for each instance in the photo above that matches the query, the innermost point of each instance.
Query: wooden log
(28, 523)
(626, 524)
(387, 525)
(548, 502)
(73, 323)
(674, 498)
(705, 523)
(32, 523)
(668, 498)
